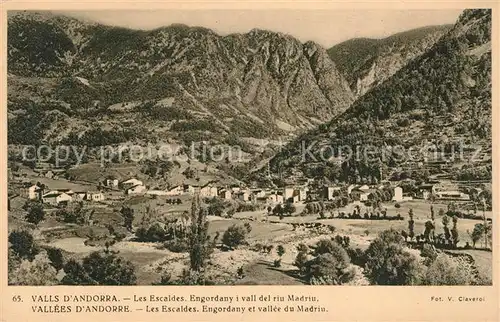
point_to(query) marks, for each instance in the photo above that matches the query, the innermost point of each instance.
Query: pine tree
(199, 240)
(411, 225)
(446, 221)
(454, 232)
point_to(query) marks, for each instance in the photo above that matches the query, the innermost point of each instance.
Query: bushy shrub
(55, 256)
(328, 246)
(331, 267)
(240, 272)
(38, 272)
(258, 247)
(153, 233)
(128, 217)
(445, 270)
(429, 253)
(216, 207)
(192, 277)
(268, 248)
(248, 207)
(357, 256)
(165, 279)
(234, 236)
(35, 214)
(179, 245)
(22, 244)
(343, 241)
(302, 248)
(289, 208)
(301, 260)
(99, 268)
(387, 263)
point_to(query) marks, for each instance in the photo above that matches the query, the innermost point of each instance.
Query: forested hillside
(444, 95)
(366, 63)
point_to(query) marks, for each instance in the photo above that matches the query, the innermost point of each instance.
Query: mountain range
(441, 97)
(83, 83)
(260, 84)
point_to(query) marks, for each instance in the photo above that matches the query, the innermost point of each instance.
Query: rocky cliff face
(366, 63)
(259, 80)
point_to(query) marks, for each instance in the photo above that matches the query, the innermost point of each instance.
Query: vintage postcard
(328, 161)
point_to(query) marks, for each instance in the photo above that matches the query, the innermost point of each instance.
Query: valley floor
(150, 259)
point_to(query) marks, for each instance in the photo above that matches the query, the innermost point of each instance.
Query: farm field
(359, 227)
(265, 230)
(258, 267)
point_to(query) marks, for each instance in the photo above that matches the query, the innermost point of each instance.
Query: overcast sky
(327, 27)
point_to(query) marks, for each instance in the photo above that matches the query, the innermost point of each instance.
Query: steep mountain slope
(443, 96)
(258, 85)
(366, 63)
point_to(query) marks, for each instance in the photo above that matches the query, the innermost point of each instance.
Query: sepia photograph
(249, 147)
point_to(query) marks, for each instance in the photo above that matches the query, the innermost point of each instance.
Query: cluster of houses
(57, 197)
(443, 191)
(292, 194)
(274, 196)
(210, 190)
(362, 192)
(439, 191)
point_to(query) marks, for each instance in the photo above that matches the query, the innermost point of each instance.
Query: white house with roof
(95, 196)
(243, 195)
(55, 198)
(329, 192)
(295, 194)
(288, 193)
(452, 195)
(132, 182)
(31, 191)
(80, 196)
(138, 189)
(175, 191)
(208, 191)
(187, 188)
(275, 197)
(225, 194)
(258, 193)
(66, 191)
(303, 193)
(364, 188)
(111, 182)
(398, 194)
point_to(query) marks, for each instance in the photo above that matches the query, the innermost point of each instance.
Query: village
(284, 217)
(443, 190)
